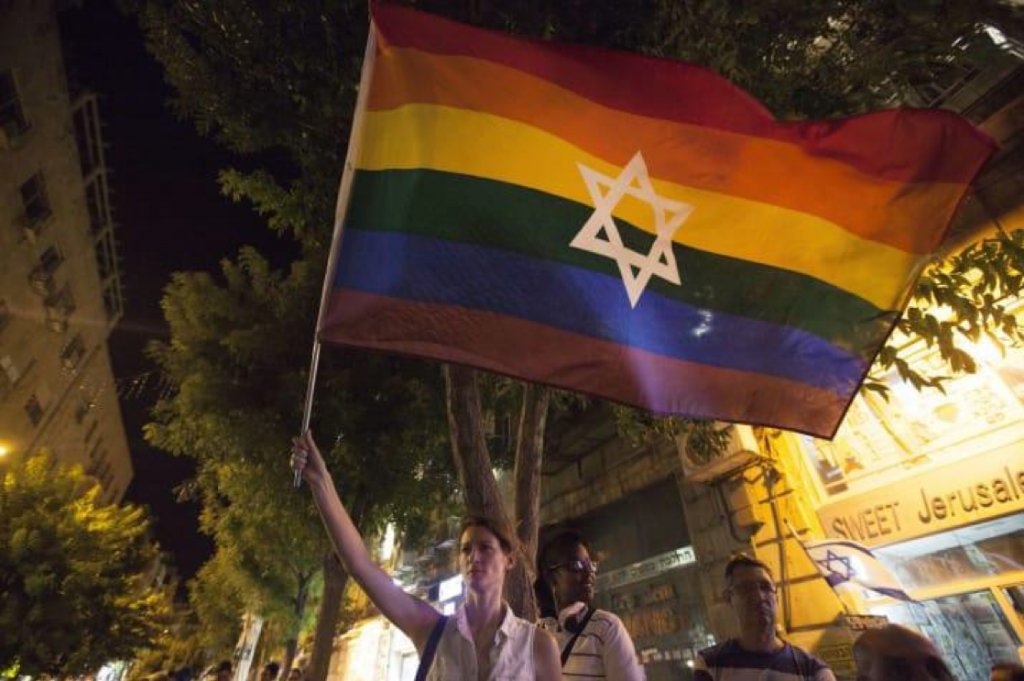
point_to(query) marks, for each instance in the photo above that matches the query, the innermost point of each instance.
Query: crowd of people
(485, 640)
(225, 671)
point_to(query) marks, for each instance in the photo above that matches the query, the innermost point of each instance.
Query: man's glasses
(751, 588)
(577, 566)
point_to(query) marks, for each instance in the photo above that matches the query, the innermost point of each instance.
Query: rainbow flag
(634, 228)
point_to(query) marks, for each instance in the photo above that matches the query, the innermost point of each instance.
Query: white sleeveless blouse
(511, 654)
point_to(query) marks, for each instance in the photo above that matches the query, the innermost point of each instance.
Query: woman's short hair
(742, 560)
(903, 654)
(495, 528)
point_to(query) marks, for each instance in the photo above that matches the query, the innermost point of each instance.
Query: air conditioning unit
(740, 450)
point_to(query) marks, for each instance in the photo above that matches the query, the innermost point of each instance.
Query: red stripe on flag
(899, 144)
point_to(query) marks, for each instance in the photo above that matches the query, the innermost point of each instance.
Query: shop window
(72, 354)
(34, 200)
(884, 441)
(970, 629)
(13, 123)
(34, 410)
(976, 551)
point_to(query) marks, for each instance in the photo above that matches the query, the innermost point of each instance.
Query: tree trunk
(292, 645)
(529, 457)
(335, 579)
(473, 462)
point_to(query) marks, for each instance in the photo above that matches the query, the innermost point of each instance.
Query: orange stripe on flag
(754, 168)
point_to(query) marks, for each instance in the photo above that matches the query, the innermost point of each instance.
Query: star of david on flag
(847, 563)
(606, 192)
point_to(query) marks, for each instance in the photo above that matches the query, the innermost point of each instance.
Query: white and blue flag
(843, 562)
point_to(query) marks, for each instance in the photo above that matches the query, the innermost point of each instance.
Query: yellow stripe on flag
(495, 148)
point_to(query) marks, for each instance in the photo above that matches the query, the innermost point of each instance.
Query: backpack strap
(427, 661)
(567, 651)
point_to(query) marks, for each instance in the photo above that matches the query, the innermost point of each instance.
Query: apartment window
(104, 257)
(73, 352)
(10, 369)
(50, 260)
(96, 201)
(12, 116)
(92, 431)
(112, 301)
(34, 410)
(59, 307)
(35, 200)
(82, 409)
(41, 277)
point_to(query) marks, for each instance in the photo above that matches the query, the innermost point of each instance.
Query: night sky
(170, 217)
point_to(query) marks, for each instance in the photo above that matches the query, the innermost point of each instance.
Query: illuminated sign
(964, 492)
(646, 569)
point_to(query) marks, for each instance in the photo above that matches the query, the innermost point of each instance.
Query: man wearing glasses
(758, 654)
(594, 643)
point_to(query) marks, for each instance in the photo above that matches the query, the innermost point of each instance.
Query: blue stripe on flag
(585, 302)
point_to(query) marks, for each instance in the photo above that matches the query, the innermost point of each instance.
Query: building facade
(60, 290)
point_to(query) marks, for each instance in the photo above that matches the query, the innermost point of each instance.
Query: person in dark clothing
(270, 671)
(758, 654)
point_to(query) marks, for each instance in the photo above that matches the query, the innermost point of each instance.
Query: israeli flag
(843, 562)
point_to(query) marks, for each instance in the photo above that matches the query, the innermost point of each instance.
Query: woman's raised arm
(408, 613)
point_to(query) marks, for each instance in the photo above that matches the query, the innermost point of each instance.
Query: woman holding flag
(484, 640)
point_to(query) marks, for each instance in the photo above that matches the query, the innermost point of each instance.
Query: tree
(72, 573)
(237, 363)
(239, 77)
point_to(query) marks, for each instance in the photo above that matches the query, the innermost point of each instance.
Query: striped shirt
(730, 662)
(603, 651)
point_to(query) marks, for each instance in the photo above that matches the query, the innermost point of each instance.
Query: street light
(4, 450)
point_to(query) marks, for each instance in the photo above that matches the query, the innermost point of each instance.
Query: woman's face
(482, 559)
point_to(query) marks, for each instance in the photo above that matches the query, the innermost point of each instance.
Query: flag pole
(789, 526)
(341, 209)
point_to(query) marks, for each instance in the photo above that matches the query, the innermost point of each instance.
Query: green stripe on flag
(494, 214)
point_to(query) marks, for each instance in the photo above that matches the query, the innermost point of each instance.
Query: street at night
(393, 341)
